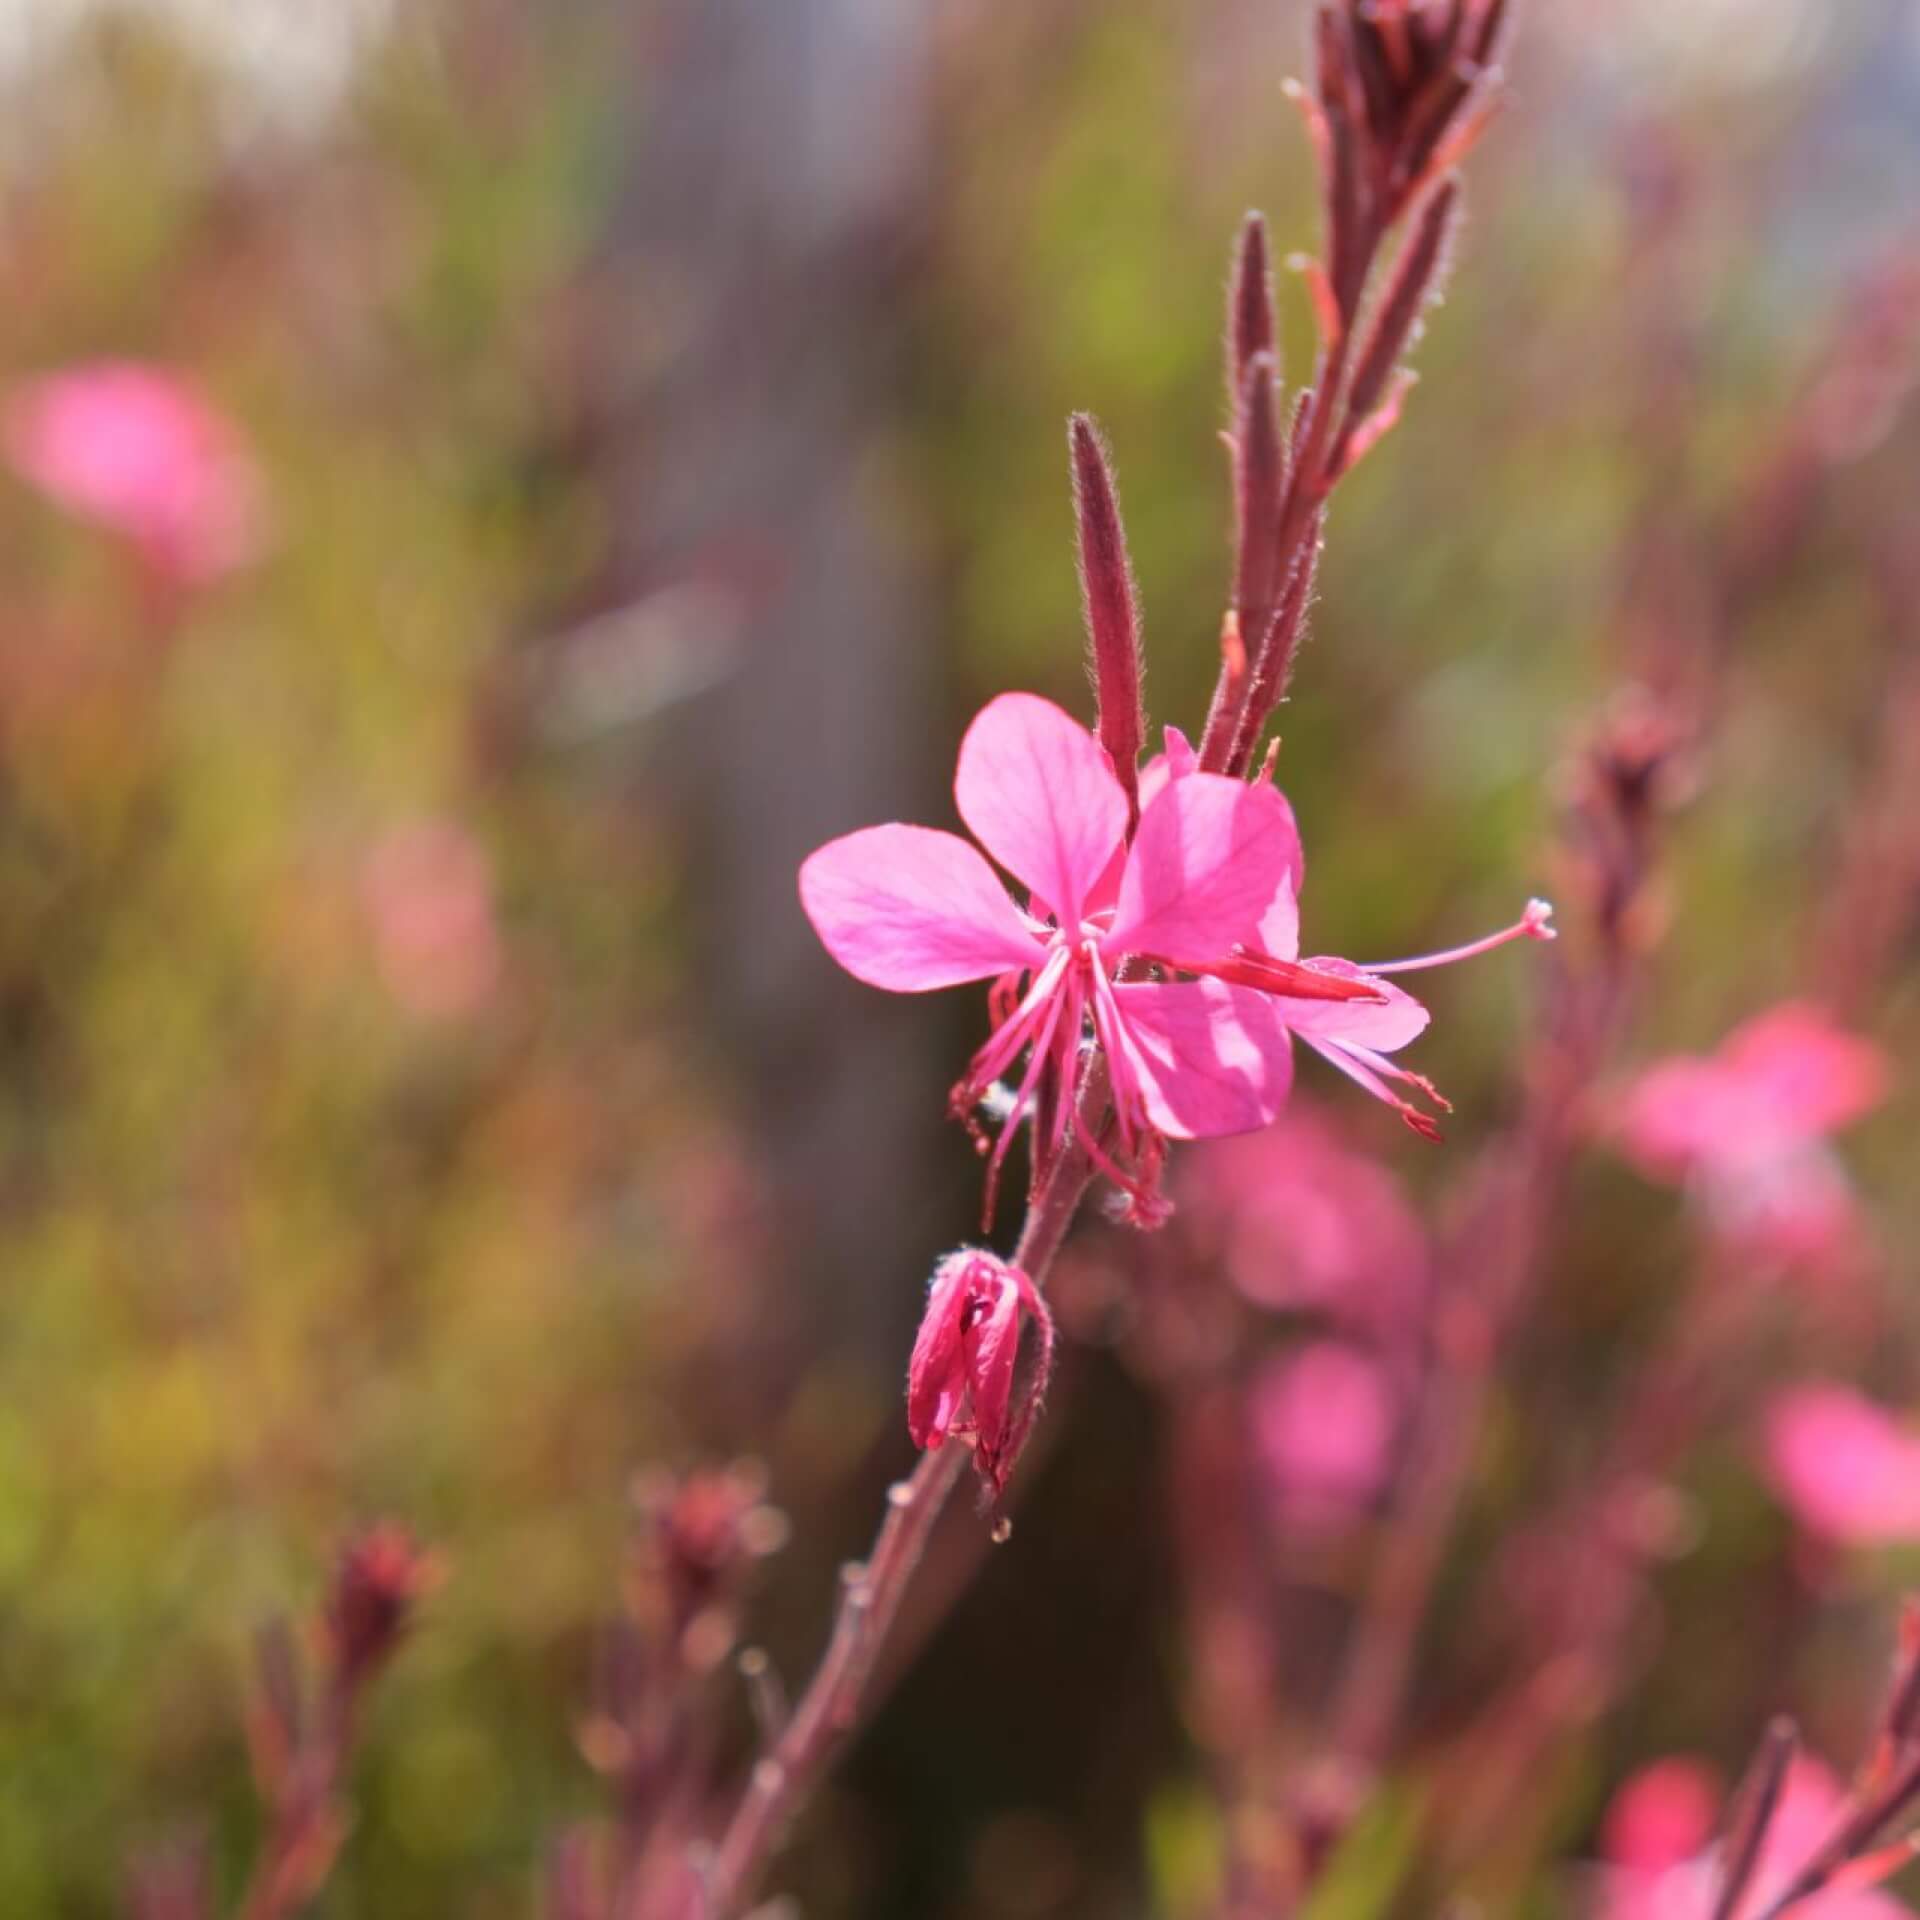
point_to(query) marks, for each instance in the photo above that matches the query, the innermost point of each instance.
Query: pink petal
(1305, 1221)
(1662, 1816)
(1381, 1028)
(992, 1345)
(1814, 1075)
(1279, 930)
(1677, 1114)
(1209, 1058)
(910, 909)
(1845, 1467)
(1324, 1423)
(1209, 858)
(1036, 789)
(1176, 763)
(934, 1380)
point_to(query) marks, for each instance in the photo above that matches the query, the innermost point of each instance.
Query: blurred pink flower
(1848, 1470)
(142, 452)
(428, 892)
(960, 1378)
(1306, 1223)
(1661, 1816)
(1747, 1127)
(1325, 1418)
(1656, 1858)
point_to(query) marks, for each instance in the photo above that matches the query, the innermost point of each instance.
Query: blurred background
(643, 450)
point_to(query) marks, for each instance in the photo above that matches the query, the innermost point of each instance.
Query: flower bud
(961, 1377)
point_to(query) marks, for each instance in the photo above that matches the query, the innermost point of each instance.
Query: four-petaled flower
(1205, 888)
(961, 1377)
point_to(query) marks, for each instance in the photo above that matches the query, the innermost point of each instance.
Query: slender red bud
(1260, 487)
(1356, 164)
(1250, 329)
(1113, 620)
(1281, 642)
(1418, 276)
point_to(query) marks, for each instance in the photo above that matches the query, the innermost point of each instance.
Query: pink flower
(1846, 1468)
(1353, 1035)
(1658, 1863)
(142, 452)
(1304, 1222)
(960, 1379)
(1661, 1816)
(1205, 888)
(1325, 1419)
(1747, 1127)
(428, 891)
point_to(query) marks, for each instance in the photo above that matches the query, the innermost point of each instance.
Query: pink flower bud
(382, 1576)
(961, 1377)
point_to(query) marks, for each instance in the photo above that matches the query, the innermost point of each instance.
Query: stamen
(1535, 924)
(1371, 1070)
(1292, 979)
(1003, 1045)
(1110, 1025)
(1022, 1100)
(1003, 999)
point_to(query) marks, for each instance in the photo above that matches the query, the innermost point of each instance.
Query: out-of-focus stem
(1492, 1260)
(299, 1847)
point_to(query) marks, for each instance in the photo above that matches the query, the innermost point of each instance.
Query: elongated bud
(1260, 485)
(1273, 661)
(1348, 188)
(1113, 620)
(1418, 276)
(1414, 87)
(1250, 331)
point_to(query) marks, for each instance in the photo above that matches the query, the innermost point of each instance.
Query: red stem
(786, 1775)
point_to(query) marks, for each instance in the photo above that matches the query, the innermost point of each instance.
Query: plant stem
(786, 1775)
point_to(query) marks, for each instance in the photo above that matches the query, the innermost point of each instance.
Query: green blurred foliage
(283, 1250)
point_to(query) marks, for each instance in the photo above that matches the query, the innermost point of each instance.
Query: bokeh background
(419, 1091)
